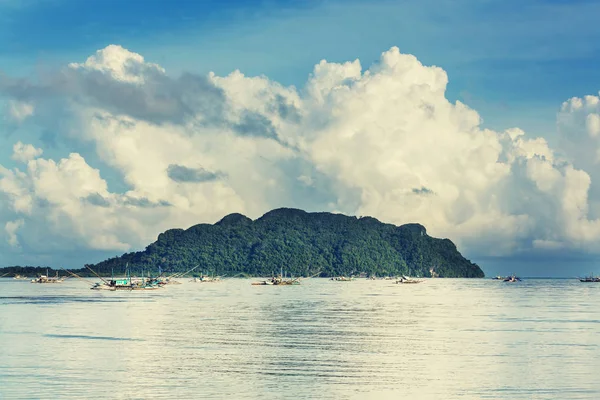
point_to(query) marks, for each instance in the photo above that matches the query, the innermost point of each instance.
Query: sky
(478, 119)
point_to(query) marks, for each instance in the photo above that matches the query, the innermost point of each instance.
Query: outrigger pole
(181, 274)
(94, 272)
(298, 278)
(77, 276)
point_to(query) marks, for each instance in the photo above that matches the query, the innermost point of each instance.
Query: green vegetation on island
(300, 243)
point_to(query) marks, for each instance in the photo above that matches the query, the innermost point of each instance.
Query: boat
(512, 278)
(278, 281)
(20, 277)
(404, 279)
(126, 283)
(498, 278)
(342, 278)
(589, 279)
(206, 278)
(262, 283)
(49, 279)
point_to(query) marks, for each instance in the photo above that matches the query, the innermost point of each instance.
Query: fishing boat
(404, 279)
(126, 283)
(512, 278)
(342, 278)
(498, 278)
(49, 279)
(262, 283)
(206, 278)
(590, 279)
(278, 281)
(20, 277)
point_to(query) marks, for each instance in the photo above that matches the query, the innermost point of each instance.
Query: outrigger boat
(342, 278)
(589, 279)
(126, 283)
(206, 278)
(405, 279)
(49, 279)
(278, 280)
(513, 278)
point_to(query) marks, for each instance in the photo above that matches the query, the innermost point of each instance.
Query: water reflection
(321, 339)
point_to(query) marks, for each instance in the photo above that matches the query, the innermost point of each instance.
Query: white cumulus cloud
(25, 152)
(382, 141)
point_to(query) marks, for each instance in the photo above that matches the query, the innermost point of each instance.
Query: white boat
(342, 278)
(405, 279)
(48, 279)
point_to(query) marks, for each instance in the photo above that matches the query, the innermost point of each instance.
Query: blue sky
(514, 62)
(506, 52)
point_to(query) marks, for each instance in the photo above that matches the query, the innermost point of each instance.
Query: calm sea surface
(441, 339)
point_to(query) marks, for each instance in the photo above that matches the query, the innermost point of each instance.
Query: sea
(322, 339)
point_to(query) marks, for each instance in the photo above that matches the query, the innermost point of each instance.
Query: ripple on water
(364, 339)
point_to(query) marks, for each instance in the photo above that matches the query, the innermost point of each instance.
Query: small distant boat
(498, 278)
(405, 279)
(20, 277)
(49, 279)
(589, 279)
(512, 278)
(206, 278)
(262, 283)
(278, 281)
(342, 278)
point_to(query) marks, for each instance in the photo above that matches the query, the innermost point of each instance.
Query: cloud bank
(382, 141)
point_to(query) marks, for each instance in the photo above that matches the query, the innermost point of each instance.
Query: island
(299, 243)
